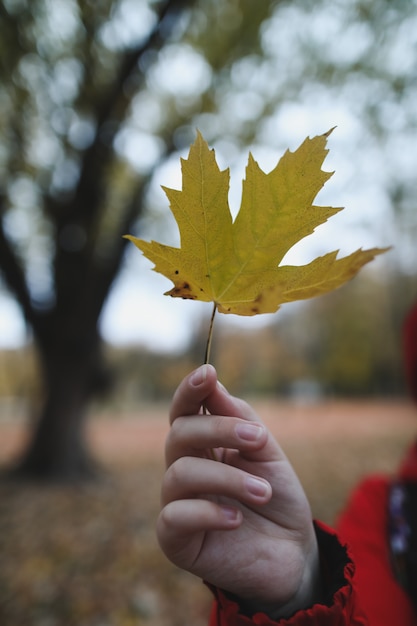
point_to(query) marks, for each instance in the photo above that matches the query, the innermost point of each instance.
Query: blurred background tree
(98, 97)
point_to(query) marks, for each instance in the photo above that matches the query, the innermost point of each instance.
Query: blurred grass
(88, 556)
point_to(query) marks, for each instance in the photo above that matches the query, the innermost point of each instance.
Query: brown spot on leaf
(183, 290)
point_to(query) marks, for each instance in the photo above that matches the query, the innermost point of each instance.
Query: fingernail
(249, 431)
(256, 487)
(199, 376)
(231, 514)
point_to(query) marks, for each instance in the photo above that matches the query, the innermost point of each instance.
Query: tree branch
(113, 103)
(15, 278)
(104, 275)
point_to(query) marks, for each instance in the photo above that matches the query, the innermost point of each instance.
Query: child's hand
(242, 523)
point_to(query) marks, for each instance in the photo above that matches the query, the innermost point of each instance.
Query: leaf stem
(210, 336)
(212, 454)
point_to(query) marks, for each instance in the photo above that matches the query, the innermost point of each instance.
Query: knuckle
(178, 471)
(174, 438)
(176, 430)
(167, 516)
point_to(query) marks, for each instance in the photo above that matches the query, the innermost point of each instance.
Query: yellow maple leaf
(236, 264)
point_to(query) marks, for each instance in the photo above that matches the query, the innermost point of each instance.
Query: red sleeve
(338, 608)
(364, 526)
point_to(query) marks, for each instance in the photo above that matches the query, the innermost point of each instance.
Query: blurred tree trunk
(72, 372)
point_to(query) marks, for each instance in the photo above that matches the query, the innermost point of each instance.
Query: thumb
(192, 392)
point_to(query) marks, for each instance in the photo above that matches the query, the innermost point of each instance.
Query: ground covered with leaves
(87, 555)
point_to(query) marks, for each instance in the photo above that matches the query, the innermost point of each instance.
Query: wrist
(306, 594)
